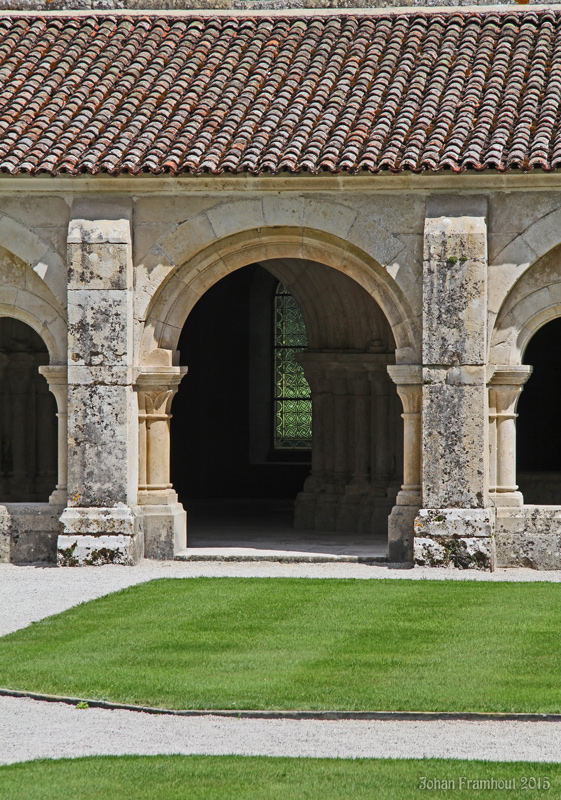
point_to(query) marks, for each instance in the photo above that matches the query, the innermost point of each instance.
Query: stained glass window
(292, 401)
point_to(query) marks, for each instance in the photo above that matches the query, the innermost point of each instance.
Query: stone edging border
(403, 716)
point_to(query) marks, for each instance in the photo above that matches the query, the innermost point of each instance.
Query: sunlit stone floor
(262, 530)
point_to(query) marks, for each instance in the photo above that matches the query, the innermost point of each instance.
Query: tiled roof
(339, 93)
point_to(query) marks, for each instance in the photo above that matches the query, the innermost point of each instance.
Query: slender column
(407, 379)
(19, 381)
(505, 386)
(156, 388)
(361, 389)
(57, 378)
(164, 518)
(409, 388)
(45, 437)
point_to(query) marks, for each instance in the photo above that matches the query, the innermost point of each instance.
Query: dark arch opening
(222, 428)
(28, 424)
(538, 435)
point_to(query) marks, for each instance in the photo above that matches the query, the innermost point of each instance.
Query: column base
(455, 537)
(97, 536)
(305, 511)
(58, 498)
(165, 530)
(401, 533)
(506, 499)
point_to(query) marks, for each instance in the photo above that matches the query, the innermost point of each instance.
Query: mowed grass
(258, 778)
(231, 643)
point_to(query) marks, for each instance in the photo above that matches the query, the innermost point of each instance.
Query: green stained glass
(292, 401)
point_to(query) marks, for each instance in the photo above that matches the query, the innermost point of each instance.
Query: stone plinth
(28, 532)
(528, 536)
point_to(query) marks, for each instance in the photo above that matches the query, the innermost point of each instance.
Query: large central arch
(359, 322)
(185, 285)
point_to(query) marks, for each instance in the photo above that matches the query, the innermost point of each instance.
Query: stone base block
(448, 551)
(455, 522)
(529, 537)
(165, 530)
(95, 536)
(327, 510)
(305, 511)
(459, 537)
(99, 521)
(94, 551)
(28, 532)
(401, 528)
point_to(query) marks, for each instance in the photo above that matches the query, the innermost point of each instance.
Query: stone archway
(359, 324)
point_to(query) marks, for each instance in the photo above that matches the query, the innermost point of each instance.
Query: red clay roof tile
(343, 93)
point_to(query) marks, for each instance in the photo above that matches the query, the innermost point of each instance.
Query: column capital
(408, 380)
(405, 374)
(55, 374)
(151, 378)
(508, 375)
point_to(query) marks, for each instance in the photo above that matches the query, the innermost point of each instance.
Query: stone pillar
(164, 519)
(456, 522)
(57, 378)
(407, 379)
(348, 488)
(100, 523)
(19, 380)
(505, 387)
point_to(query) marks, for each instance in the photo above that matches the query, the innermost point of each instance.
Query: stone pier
(456, 522)
(100, 523)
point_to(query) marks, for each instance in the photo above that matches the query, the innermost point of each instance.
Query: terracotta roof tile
(418, 91)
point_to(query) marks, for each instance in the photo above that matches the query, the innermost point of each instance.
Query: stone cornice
(470, 182)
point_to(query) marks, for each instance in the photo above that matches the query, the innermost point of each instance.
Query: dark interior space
(538, 428)
(28, 424)
(222, 426)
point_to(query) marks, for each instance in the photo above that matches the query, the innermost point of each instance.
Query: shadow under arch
(186, 284)
(28, 419)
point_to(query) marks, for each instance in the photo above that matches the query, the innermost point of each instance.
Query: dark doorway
(221, 429)
(28, 424)
(538, 430)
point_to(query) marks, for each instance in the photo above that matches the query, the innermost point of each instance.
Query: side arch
(534, 300)
(25, 296)
(176, 296)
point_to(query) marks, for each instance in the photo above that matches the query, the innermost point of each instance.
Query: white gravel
(31, 729)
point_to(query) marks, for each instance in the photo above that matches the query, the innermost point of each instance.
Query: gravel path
(30, 729)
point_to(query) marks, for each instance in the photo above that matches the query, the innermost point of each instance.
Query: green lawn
(228, 777)
(295, 643)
